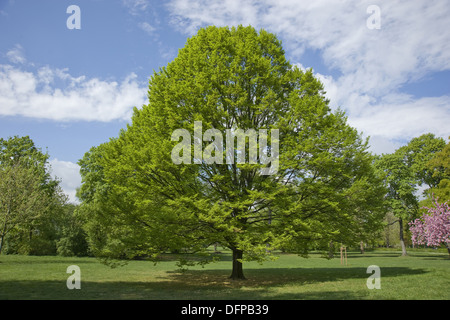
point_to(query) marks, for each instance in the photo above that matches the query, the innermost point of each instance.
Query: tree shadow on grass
(270, 283)
(272, 277)
(436, 256)
(285, 283)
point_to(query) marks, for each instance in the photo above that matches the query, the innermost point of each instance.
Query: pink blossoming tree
(432, 229)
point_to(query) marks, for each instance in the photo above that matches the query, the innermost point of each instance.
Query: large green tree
(319, 187)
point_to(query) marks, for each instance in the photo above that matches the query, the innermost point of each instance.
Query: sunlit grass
(420, 275)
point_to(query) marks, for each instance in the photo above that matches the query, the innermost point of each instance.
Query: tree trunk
(269, 223)
(331, 250)
(1, 243)
(402, 241)
(2, 239)
(361, 247)
(238, 272)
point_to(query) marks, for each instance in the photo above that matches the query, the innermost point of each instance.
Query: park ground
(423, 274)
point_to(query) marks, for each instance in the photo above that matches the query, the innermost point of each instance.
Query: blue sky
(71, 89)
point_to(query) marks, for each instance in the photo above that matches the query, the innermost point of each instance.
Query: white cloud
(412, 39)
(401, 116)
(380, 145)
(35, 94)
(149, 29)
(136, 6)
(16, 55)
(69, 174)
(413, 42)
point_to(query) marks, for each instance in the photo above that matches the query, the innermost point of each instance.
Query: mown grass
(420, 275)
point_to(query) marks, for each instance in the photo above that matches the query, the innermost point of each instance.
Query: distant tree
(30, 198)
(439, 171)
(391, 232)
(404, 170)
(419, 154)
(72, 237)
(96, 207)
(433, 228)
(400, 198)
(22, 198)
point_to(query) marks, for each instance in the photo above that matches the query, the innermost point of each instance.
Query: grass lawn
(420, 275)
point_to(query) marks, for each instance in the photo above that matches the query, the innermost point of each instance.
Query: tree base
(237, 276)
(238, 272)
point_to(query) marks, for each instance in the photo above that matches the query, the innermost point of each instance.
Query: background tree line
(35, 216)
(50, 225)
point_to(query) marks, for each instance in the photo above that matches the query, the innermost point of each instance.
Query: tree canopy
(439, 171)
(137, 201)
(433, 228)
